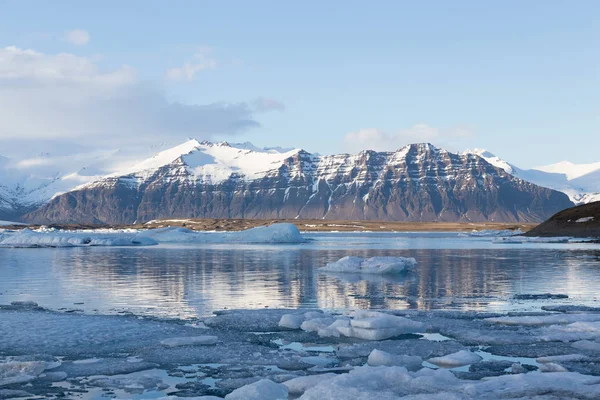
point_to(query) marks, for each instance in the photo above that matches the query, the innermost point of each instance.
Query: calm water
(453, 272)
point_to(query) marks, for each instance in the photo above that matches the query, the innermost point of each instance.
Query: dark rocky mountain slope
(205, 180)
(580, 221)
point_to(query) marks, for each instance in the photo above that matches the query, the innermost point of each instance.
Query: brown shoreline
(308, 225)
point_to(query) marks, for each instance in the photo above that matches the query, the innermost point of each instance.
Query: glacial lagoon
(103, 312)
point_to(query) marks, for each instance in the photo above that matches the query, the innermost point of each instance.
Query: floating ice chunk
(275, 233)
(60, 238)
(541, 320)
(313, 325)
(588, 345)
(297, 386)
(371, 325)
(384, 383)
(332, 330)
(374, 265)
(496, 233)
(264, 389)
(572, 332)
(189, 341)
(378, 358)
(458, 359)
(552, 367)
(565, 358)
(20, 371)
(133, 385)
(559, 385)
(291, 321)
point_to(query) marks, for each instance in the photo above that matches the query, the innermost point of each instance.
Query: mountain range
(418, 182)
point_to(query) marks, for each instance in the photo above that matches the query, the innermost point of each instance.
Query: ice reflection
(188, 282)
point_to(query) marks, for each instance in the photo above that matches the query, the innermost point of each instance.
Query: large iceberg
(50, 237)
(275, 233)
(373, 265)
(79, 238)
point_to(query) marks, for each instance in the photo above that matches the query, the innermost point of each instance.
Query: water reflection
(189, 282)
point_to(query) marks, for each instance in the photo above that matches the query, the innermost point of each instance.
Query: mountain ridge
(418, 182)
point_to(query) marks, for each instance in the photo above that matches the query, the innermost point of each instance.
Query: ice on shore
(381, 358)
(458, 359)
(374, 265)
(50, 237)
(20, 371)
(496, 233)
(248, 362)
(264, 389)
(366, 325)
(301, 384)
(190, 341)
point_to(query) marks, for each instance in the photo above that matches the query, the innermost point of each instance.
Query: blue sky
(520, 78)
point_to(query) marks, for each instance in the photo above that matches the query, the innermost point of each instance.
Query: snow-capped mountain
(418, 182)
(581, 182)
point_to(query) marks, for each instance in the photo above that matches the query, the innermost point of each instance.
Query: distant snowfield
(50, 237)
(271, 355)
(581, 182)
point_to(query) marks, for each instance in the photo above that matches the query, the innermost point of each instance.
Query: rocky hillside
(580, 221)
(205, 180)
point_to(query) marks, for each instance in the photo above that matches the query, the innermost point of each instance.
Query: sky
(519, 78)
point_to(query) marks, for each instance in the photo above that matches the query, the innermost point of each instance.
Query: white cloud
(201, 61)
(78, 37)
(64, 97)
(376, 139)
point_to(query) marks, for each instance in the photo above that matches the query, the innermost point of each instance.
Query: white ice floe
(48, 237)
(264, 389)
(190, 341)
(372, 325)
(458, 359)
(20, 371)
(496, 233)
(381, 358)
(374, 265)
(298, 386)
(63, 238)
(535, 239)
(583, 330)
(366, 325)
(542, 320)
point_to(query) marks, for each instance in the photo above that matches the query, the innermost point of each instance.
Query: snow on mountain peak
(494, 160)
(569, 169)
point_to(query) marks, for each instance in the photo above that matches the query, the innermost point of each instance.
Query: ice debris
(190, 341)
(264, 389)
(458, 359)
(373, 265)
(366, 325)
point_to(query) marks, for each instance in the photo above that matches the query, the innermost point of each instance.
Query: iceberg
(80, 238)
(275, 233)
(374, 265)
(50, 237)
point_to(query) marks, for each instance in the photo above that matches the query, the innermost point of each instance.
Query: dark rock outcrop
(416, 183)
(580, 221)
